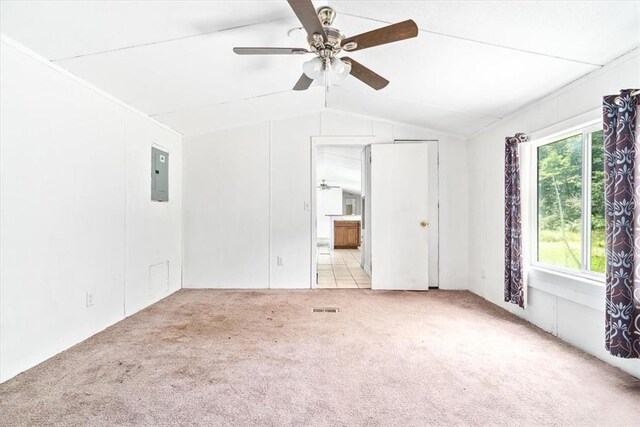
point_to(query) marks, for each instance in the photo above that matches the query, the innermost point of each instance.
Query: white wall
(226, 219)
(328, 202)
(268, 167)
(75, 215)
(153, 229)
(556, 311)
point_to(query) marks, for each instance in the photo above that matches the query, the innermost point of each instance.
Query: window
(570, 202)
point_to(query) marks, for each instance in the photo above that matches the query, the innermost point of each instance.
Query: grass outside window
(570, 202)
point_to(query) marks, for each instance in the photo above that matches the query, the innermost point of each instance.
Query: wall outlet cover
(89, 299)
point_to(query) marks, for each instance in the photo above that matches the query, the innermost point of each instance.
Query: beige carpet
(264, 358)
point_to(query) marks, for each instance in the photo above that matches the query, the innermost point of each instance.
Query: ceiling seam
(439, 107)
(95, 89)
(484, 42)
(220, 103)
(557, 92)
(168, 40)
(343, 13)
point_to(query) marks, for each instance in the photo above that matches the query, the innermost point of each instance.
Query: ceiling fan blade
(308, 17)
(270, 51)
(367, 76)
(389, 34)
(303, 83)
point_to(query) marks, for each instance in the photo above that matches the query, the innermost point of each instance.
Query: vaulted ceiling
(471, 64)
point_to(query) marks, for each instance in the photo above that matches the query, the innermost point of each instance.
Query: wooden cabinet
(346, 234)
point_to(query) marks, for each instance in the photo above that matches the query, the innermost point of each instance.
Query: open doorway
(339, 232)
(396, 213)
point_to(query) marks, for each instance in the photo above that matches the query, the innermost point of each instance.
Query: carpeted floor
(203, 357)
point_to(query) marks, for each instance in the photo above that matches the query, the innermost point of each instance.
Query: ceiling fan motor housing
(333, 43)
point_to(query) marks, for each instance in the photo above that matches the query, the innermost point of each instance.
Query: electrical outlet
(483, 273)
(89, 299)
(280, 261)
(306, 206)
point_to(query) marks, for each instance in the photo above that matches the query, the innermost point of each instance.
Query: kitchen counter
(345, 231)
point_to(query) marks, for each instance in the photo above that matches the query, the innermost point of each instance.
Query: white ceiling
(340, 166)
(472, 63)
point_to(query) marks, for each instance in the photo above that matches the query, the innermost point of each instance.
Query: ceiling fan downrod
(329, 44)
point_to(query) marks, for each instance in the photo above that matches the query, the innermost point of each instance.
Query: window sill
(588, 291)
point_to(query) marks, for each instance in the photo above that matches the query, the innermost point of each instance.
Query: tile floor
(340, 268)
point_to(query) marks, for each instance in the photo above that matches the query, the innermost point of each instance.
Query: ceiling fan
(324, 186)
(326, 42)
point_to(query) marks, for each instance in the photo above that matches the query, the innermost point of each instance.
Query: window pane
(560, 203)
(597, 202)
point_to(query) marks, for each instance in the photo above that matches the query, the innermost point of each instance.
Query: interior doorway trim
(315, 141)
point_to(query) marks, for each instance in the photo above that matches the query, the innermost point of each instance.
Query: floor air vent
(325, 310)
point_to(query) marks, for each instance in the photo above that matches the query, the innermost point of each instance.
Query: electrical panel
(159, 175)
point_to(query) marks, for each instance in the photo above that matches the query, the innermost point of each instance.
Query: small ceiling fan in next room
(326, 42)
(324, 186)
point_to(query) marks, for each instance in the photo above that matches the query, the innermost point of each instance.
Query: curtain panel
(622, 225)
(513, 269)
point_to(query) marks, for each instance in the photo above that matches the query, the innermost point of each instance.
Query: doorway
(386, 236)
(338, 192)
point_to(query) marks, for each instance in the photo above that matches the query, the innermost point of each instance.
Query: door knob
(424, 223)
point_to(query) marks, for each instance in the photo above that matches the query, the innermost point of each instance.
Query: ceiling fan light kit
(326, 42)
(313, 68)
(338, 69)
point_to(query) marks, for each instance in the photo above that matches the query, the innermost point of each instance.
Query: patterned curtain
(622, 317)
(513, 272)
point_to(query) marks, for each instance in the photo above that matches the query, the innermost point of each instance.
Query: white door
(399, 222)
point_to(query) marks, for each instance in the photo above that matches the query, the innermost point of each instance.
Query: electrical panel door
(159, 175)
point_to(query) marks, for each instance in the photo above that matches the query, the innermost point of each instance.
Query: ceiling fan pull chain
(326, 83)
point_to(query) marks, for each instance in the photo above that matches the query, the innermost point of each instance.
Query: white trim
(313, 216)
(581, 290)
(526, 180)
(25, 50)
(270, 248)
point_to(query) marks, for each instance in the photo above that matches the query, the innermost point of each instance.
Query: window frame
(584, 272)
